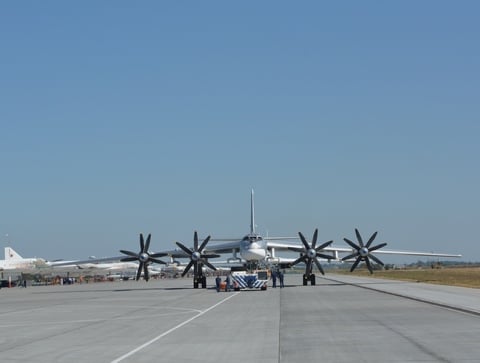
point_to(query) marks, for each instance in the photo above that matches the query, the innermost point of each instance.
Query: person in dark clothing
(274, 278)
(218, 281)
(227, 283)
(280, 277)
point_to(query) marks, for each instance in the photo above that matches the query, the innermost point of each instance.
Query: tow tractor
(250, 280)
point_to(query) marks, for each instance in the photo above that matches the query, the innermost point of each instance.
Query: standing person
(218, 281)
(274, 278)
(280, 276)
(227, 283)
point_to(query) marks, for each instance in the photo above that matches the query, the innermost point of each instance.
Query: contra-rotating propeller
(363, 251)
(143, 257)
(197, 257)
(311, 253)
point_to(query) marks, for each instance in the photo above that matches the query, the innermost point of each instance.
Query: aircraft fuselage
(253, 248)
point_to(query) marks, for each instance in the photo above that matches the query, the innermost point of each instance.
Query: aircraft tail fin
(10, 254)
(252, 215)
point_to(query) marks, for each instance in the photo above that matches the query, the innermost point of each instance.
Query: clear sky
(120, 117)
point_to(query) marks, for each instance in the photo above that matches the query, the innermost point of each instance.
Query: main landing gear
(200, 280)
(306, 278)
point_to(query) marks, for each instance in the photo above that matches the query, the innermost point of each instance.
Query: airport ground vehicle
(243, 280)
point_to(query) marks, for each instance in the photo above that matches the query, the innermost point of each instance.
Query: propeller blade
(129, 253)
(195, 241)
(147, 244)
(188, 251)
(210, 265)
(371, 240)
(187, 268)
(319, 248)
(145, 272)
(129, 259)
(326, 257)
(139, 272)
(308, 267)
(160, 254)
(298, 260)
(355, 264)
(204, 243)
(359, 238)
(377, 247)
(369, 265)
(156, 260)
(304, 241)
(314, 239)
(211, 255)
(353, 245)
(376, 260)
(319, 266)
(142, 244)
(350, 256)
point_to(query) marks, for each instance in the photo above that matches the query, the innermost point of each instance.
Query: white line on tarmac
(144, 345)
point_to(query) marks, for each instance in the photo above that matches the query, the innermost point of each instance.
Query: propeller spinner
(363, 251)
(143, 257)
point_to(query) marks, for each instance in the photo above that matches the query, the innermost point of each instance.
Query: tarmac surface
(341, 319)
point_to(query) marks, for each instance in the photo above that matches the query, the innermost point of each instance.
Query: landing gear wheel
(204, 282)
(305, 280)
(312, 279)
(195, 283)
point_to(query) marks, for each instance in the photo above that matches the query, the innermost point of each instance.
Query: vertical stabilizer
(252, 215)
(10, 254)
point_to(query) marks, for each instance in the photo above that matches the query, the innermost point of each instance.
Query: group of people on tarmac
(277, 274)
(228, 283)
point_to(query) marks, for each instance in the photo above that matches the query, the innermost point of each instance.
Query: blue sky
(159, 117)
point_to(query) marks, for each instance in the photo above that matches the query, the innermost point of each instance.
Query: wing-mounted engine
(309, 255)
(363, 252)
(143, 257)
(197, 259)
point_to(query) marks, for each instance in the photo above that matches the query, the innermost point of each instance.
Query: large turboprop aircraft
(254, 251)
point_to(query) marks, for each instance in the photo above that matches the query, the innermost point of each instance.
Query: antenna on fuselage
(252, 215)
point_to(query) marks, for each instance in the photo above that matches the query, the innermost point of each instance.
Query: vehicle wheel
(312, 279)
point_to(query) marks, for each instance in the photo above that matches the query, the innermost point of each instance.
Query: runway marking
(82, 321)
(144, 345)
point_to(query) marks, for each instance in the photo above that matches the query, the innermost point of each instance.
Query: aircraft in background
(14, 263)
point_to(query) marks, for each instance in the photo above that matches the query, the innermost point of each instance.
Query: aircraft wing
(297, 247)
(84, 262)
